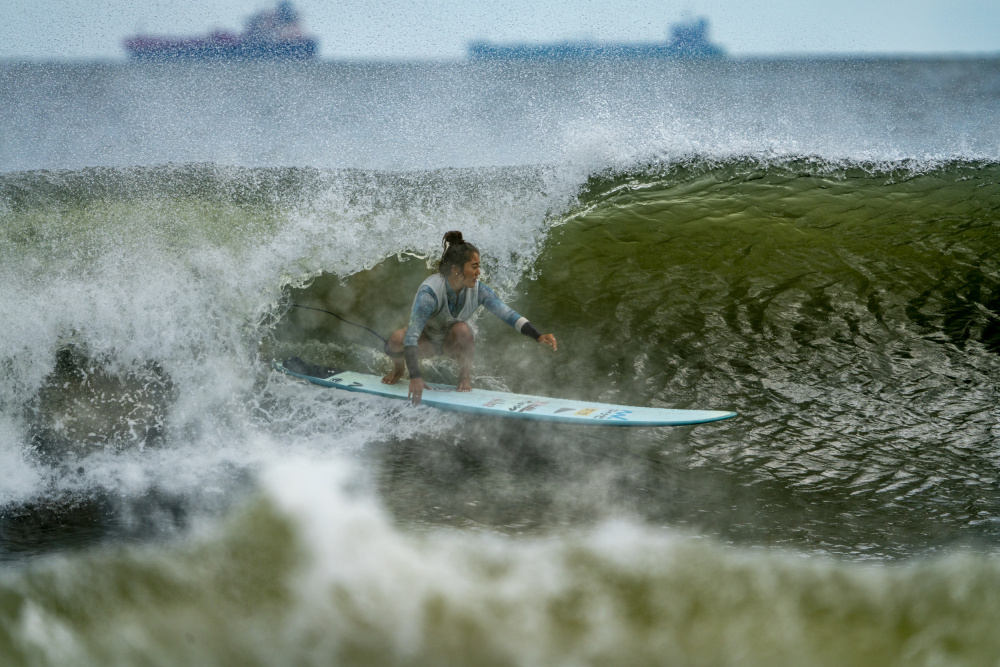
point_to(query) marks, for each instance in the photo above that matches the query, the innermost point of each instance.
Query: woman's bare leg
(395, 347)
(425, 349)
(460, 343)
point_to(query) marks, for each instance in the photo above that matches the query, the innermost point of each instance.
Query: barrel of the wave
(440, 325)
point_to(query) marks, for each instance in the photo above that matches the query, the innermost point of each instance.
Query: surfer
(439, 318)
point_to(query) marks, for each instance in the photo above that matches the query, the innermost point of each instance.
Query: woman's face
(470, 271)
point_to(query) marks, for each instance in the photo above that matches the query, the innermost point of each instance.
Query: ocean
(813, 243)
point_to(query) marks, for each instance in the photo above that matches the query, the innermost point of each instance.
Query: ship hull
(167, 51)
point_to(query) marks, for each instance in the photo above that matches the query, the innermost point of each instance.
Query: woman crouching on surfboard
(439, 319)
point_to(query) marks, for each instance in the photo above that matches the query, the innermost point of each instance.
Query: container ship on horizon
(688, 40)
(269, 35)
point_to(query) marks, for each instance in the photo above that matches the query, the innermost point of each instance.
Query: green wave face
(742, 271)
(852, 319)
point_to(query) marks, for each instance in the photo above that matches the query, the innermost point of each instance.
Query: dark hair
(456, 252)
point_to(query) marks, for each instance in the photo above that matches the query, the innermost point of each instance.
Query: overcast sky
(390, 29)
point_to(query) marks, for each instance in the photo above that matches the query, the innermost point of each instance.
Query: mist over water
(811, 243)
(448, 115)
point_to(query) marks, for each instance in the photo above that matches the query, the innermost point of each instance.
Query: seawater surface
(814, 244)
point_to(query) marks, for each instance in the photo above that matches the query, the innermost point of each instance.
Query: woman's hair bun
(456, 252)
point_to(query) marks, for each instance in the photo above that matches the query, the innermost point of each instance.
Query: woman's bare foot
(392, 377)
(464, 383)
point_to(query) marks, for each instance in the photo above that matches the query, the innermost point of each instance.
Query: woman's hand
(416, 390)
(548, 339)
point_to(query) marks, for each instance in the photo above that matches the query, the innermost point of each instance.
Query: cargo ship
(269, 35)
(688, 40)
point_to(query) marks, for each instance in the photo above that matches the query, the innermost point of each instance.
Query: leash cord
(385, 341)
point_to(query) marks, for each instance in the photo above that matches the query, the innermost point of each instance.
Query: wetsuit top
(460, 308)
(431, 314)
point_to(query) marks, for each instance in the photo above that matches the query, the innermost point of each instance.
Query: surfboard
(503, 404)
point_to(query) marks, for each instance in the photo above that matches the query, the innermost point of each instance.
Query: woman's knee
(460, 334)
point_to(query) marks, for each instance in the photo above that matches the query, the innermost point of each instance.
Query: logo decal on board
(492, 403)
(620, 415)
(585, 412)
(563, 410)
(532, 406)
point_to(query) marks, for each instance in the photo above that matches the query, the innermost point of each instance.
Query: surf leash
(385, 341)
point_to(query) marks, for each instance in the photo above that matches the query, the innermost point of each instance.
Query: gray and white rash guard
(437, 307)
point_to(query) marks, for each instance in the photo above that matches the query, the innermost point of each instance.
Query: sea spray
(405, 117)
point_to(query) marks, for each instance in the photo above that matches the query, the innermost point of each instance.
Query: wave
(848, 311)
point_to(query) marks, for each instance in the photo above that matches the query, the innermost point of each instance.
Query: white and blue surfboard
(503, 404)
